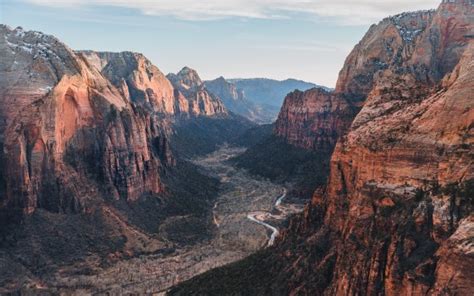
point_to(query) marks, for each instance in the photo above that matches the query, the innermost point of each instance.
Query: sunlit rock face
(77, 127)
(71, 136)
(137, 79)
(418, 48)
(190, 88)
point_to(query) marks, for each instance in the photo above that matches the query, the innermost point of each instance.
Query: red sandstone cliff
(314, 119)
(398, 206)
(143, 83)
(69, 136)
(137, 79)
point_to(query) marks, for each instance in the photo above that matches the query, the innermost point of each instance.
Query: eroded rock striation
(66, 130)
(314, 119)
(418, 47)
(400, 188)
(138, 80)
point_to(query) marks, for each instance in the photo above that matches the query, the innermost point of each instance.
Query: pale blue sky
(304, 39)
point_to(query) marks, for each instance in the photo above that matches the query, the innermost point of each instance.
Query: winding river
(240, 219)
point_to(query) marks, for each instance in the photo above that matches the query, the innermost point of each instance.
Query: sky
(279, 39)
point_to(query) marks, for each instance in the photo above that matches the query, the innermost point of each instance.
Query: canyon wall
(314, 119)
(398, 203)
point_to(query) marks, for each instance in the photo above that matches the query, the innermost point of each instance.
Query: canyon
(118, 179)
(99, 175)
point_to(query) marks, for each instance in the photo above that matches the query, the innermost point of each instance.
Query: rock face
(189, 86)
(138, 80)
(314, 119)
(397, 206)
(382, 178)
(396, 216)
(419, 47)
(69, 136)
(141, 82)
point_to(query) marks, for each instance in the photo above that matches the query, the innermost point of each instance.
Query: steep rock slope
(203, 134)
(423, 45)
(303, 138)
(314, 119)
(67, 124)
(418, 48)
(143, 83)
(400, 222)
(189, 85)
(397, 214)
(137, 79)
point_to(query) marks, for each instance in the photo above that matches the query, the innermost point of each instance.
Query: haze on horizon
(279, 39)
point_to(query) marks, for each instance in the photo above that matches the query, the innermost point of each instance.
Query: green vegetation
(257, 274)
(254, 135)
(279, 161)
(204, 135)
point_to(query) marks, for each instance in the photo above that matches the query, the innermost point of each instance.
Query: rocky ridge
(419, 47)
(97, 113)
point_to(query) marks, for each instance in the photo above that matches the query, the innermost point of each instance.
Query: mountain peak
(187, 78)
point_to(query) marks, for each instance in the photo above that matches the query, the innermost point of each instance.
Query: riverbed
(240, 218)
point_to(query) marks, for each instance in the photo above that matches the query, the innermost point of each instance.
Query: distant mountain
(235, 100)
(258, 99)
(270, 92)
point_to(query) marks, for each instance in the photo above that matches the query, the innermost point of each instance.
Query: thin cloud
(305, 46)
(343, 11)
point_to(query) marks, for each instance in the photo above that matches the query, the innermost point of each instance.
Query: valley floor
(246, 216)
